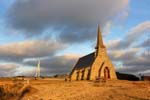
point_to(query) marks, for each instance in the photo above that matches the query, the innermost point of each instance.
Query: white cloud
(113, 44)
(107, 28)
(131, 37)
(28, 49)
(8, 69)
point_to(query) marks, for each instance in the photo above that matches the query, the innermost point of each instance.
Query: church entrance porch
(106, 73)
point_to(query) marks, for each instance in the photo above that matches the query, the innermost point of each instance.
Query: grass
(52, 89)
(16, 89)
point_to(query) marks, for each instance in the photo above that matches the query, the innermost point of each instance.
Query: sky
(59, 32)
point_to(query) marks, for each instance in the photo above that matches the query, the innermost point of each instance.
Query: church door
(106, 73)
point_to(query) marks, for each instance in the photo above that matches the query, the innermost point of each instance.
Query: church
(96, 65)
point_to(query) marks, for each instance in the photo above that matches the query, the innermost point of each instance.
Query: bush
(2, 93)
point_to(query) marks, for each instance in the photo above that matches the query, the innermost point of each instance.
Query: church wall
(111, 70)
(74, 75)
(87, 73)
(97, 70)
(95, 67)
(82, 74)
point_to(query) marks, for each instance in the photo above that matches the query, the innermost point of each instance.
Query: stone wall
(81, 74)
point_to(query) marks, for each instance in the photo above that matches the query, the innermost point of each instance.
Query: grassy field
(58, 89)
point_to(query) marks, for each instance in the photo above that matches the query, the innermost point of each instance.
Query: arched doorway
(106, 73)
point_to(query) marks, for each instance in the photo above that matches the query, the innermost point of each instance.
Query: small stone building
(95, 65)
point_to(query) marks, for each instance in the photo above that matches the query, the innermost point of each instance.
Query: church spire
(99, 39)
(100, 46)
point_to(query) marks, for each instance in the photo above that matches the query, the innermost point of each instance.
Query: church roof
(85, 61)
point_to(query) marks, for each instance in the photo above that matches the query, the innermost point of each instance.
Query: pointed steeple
(100, 46)
(99, 39)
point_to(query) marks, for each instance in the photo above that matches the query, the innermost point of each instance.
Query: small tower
(38, 70)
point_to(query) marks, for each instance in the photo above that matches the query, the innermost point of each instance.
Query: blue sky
(59, 32)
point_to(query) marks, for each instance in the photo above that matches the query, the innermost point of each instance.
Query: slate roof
(85, 61)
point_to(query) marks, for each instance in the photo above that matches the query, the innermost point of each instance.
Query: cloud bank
(73, 21)
(28, 49)
(131, 51)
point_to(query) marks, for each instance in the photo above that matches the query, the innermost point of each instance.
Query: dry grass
(57, 89)
(13, 89)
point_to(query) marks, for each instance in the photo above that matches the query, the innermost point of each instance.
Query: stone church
(96, 65)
